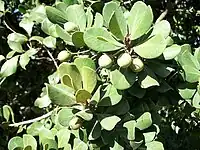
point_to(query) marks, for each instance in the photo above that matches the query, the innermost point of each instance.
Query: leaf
(49, 28)
(9, 67)
(137, 91)
(147, 79)
(2, 7)
(196, 100)
(1, 58)
(37, 38)
(96, 96)
(42, 102)
(192, 74)
(38, 13)
(49, 144)
(55, 15)
(116, 146)
(29, 140)
(77, 39)
(15, 142)
(63, 137)
(84, 62)
(73, 72)
(122, 80)
(109, 122)
(35, 128)
(144, 121)
(140, 19)
(98, 21)
(64, 116)
(82, 96)
(76, 14)
(89, 79)
(154, 145)
(24, 60)
(85, 114)
(95, 132)
(108, 11)
(130, 126)
(61, 94)
(67, 80)
(117, 24)
(163, 27)
(17, 37)
(197, 54)
(63, 34)
(89, 17)
(27, 24)
(7, 113)
(79, 145)
(111, 97)
(151, 48)
(50, 42)
(15, 46)
(171, 52)
(185, 91)
(149, 136)
(99, 39)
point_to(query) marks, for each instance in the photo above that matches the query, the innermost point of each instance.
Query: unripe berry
(75, 123)
(105, 61)
(137, 65)
(63, 56)
(124, 60)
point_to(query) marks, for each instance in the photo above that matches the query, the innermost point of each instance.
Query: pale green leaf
(118, 25)
(151, 48)
(64, 116)
(163, 27)
(27, 24)
(171, 52)
(116, 146)
(130, 126)
(35, 128)
(17, 37)
(63, 137)
(50, 42)
(149, 136)
(2, 7)
(140, 19)
(24, 60)
(37, 38)
(196, 101)
(85, 114)
(15, 142)
(89, 78)
(154, 145)
(144, 121)
(147, 79)
(1, 58)
(76, 14)
(29, 140)
(108, 11)
(42, 102)
(99, 39)
(61, 94)
(109, 122)
(63, 34)
(38, 13)
(15, 46)
(49, 28)
(98, 21)
(191, 74)
(111, 97)
(89, 17)
(49, 144)
(7, 113)
(122, 80)
(9, 67)
(79, 145)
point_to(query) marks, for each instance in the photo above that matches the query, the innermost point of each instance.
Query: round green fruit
(105, 61)
(124, 60)
(70, 26)
(137, 65)
(75, 123)
(63, 56)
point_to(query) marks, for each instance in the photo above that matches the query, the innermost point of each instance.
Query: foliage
(118, 71)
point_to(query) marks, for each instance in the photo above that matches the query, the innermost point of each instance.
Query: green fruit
(105, 61)
(137, 65)
(63, 55)
(124, 60)
(75, 123)
(70, 26)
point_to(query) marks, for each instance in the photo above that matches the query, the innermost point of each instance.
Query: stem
(2, 80)
(31, 121)
(8, 27)
(81, 52)
(50, 55)
(162, 16)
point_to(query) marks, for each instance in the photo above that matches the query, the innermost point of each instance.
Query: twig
(2, 81)
(162, 16)
(50, 55)
(8, 26)
(31, 121)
